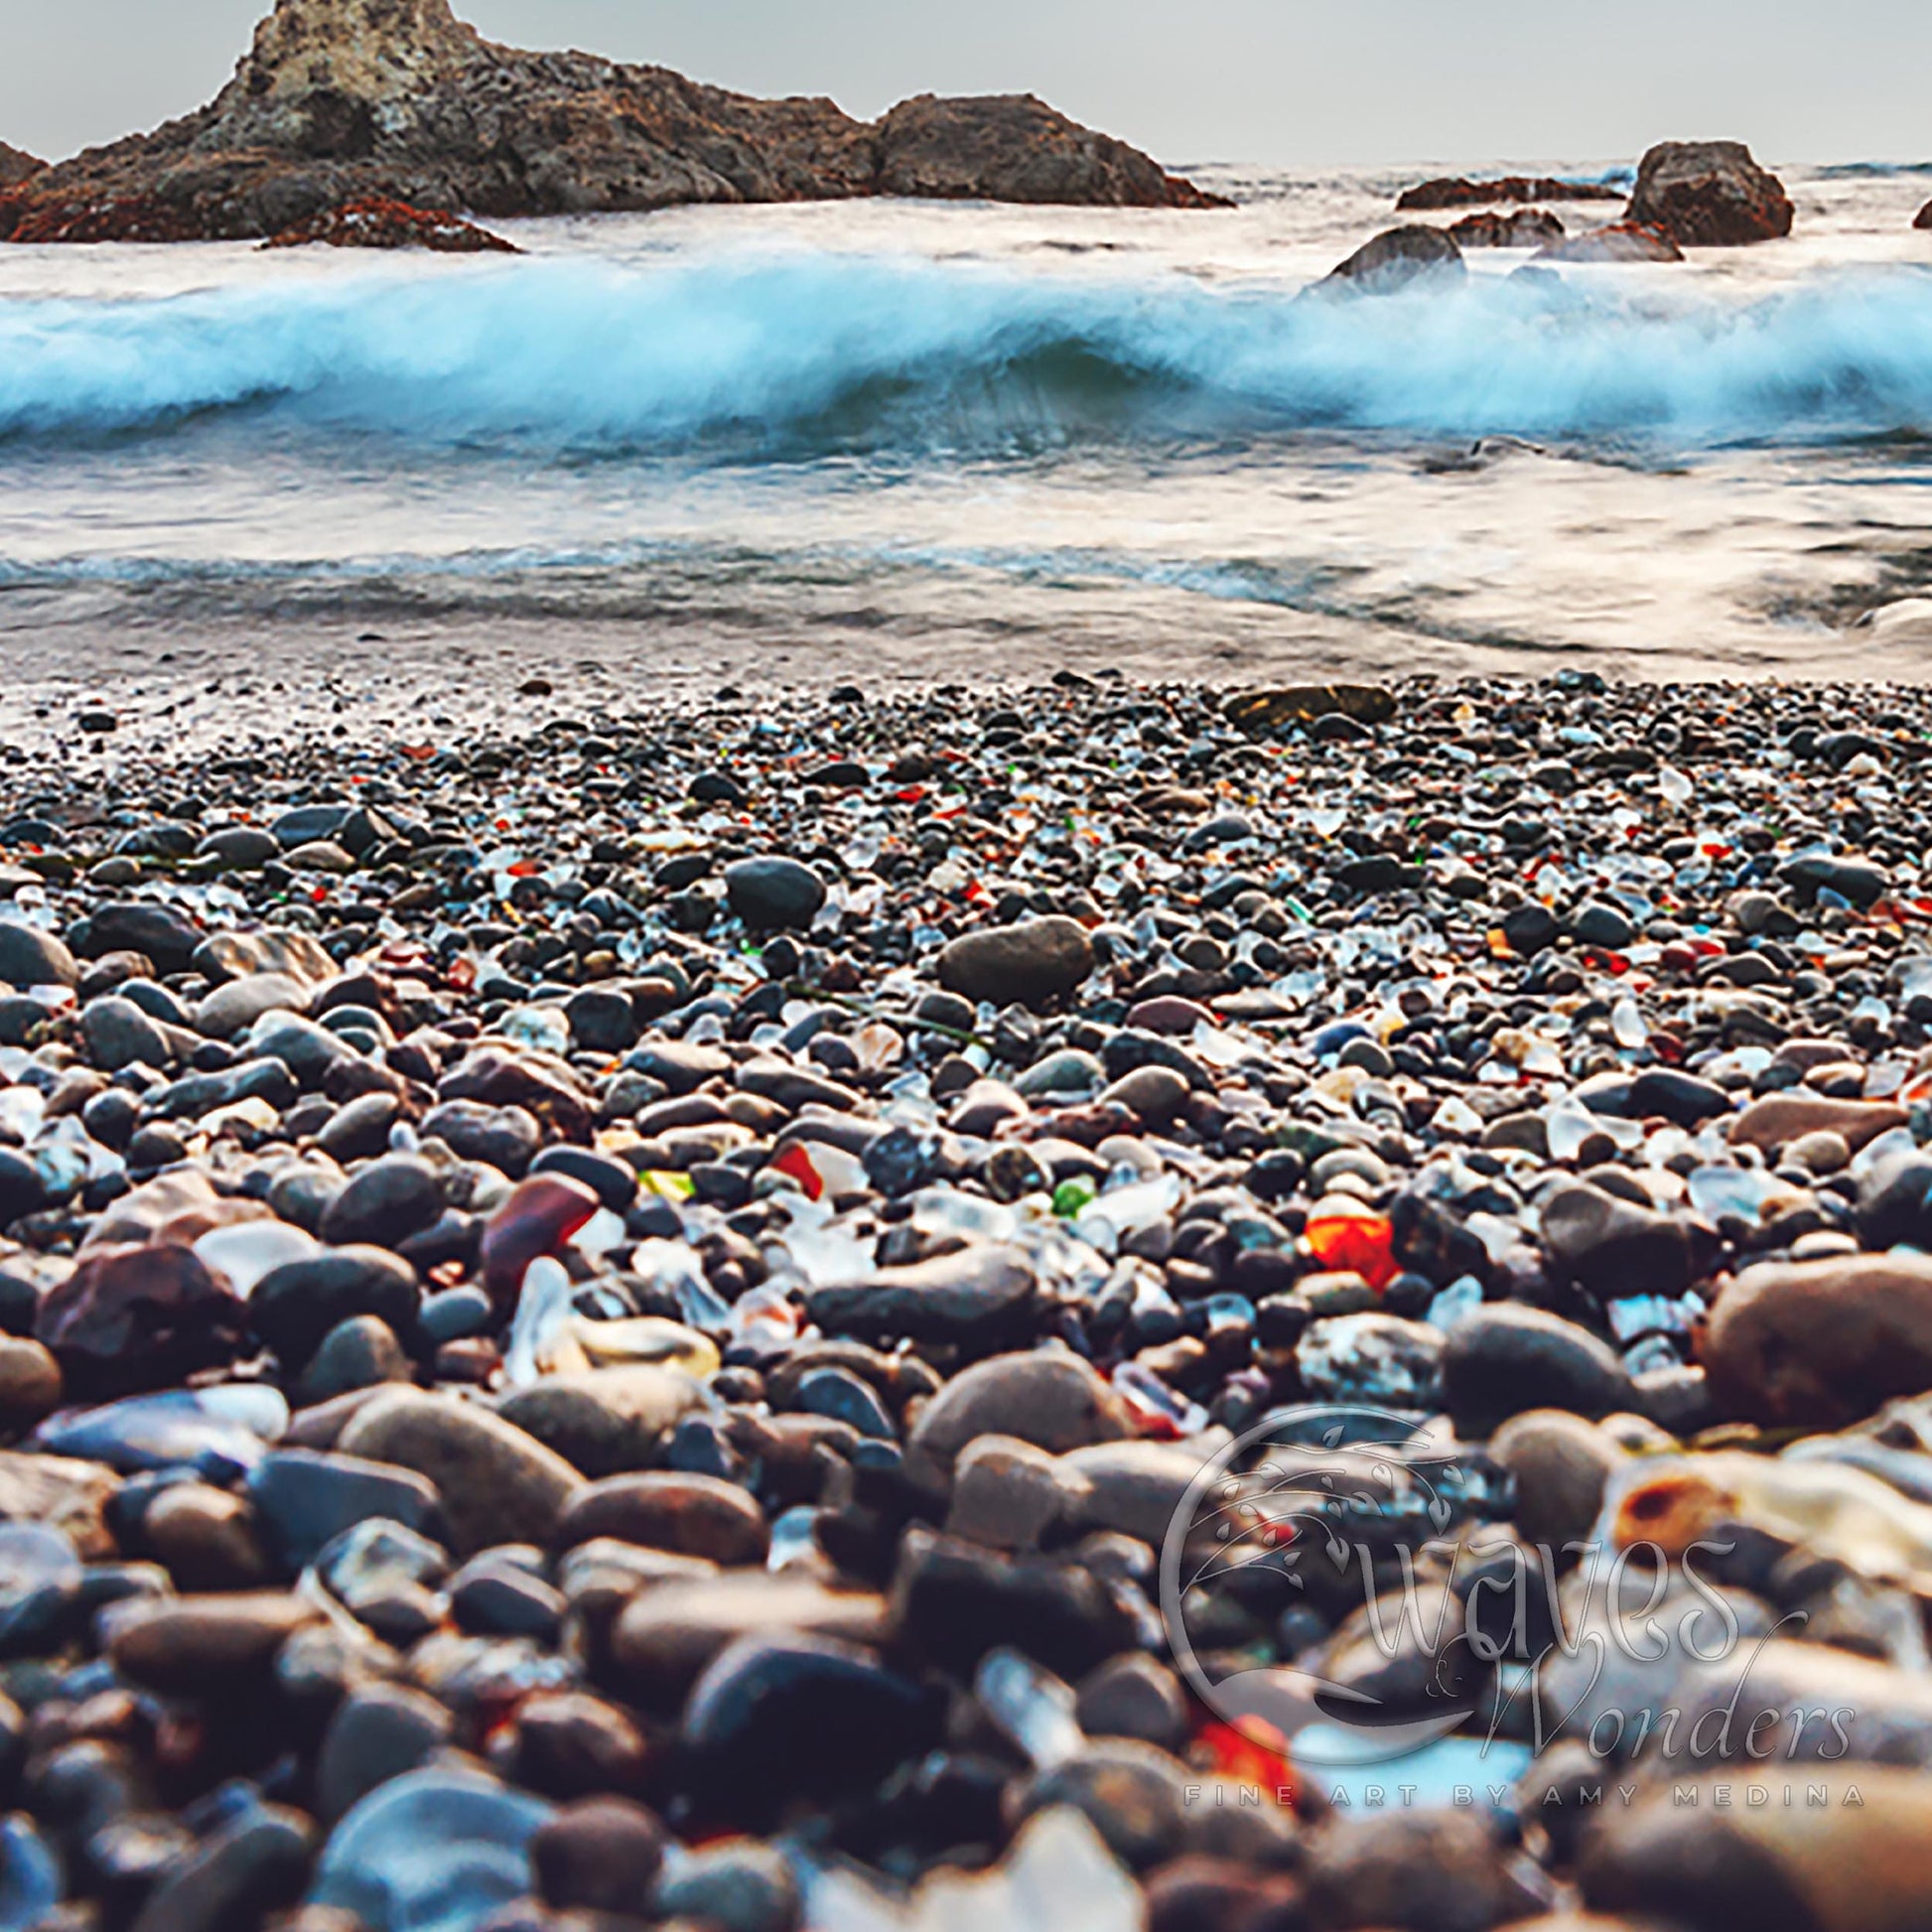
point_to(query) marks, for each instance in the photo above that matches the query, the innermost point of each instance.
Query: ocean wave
(1872, 170)
(811, 356)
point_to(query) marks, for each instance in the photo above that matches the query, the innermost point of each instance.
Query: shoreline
(315, 677)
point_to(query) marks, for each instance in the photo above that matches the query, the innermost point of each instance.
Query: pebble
(1821, 1343)
(773, 894)
(1505, 1358)
(497, 1483)
(569, 1307)
(1027, 964)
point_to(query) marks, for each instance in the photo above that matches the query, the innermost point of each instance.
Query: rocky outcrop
(1924, 217)
(16, 164)
(1456, 192)
(1523, 228)
(377, 224)
(1709, 195)
(1621, 241)
(341, 100)
(1396, 258)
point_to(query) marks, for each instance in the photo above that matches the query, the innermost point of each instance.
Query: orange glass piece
(1364, 1242)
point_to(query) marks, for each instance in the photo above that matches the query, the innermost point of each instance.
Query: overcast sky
(1266, 80)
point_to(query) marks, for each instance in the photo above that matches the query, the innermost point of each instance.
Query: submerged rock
(1397, 258)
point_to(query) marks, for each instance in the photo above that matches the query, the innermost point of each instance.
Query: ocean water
(905, 421)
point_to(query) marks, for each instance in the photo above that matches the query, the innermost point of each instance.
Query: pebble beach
(613, 1317)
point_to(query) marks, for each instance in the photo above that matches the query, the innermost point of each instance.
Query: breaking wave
(815, 356)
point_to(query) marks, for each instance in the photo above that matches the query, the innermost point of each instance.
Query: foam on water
(817, 354)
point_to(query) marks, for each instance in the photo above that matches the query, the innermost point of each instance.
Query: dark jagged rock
(1523, 228)
(376, 222)
(1709, 195)
(16, 164)
(340, 100)
(1398, 257)
(1456, 192)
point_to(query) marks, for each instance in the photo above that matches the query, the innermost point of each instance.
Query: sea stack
(1709, 195)
(341, 100)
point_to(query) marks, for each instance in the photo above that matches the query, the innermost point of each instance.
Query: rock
(1699, 1854)
(1135, 1695)
(359, 1353)
(133, 926)
(602, 1021)
(1010, 1495)
(498, 1484)
(29, 1383)
(189, 1646)
(1777, 1118)
(1397, 258)
(1661, 1092)
(772, 1715)
(1561, 1463)
(955, 1602)
(16, 164)
(1709, 195)
(1026, 964)
(374, 221)
(1155, 1093)
(245, 847)
(377, 1733)
(31, 957)
(235, 1007)
(117, 1033)
(1426, 1871)
(241, 1873)
(295, 1305)
(975, 1296)
(503, 1138)
(306, 1498)
(206, 1538)
(1612, 1246)
(600, 1855)
(668, 1634)
(1526, 227)
(773, 894)
(384, 1203)
(693, 1515)
(335, 106)
(1132, 1489)
(1503, 1358)
(605, 1420)
(1923, 220)
(63, 1492)
(1453, 192)
(1054, 1401)
(1620, 241)
(1015, 148)
(230, 955)
(1134, 1796)
(139, 1317)
(1308, 704)
(1820, 1343)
